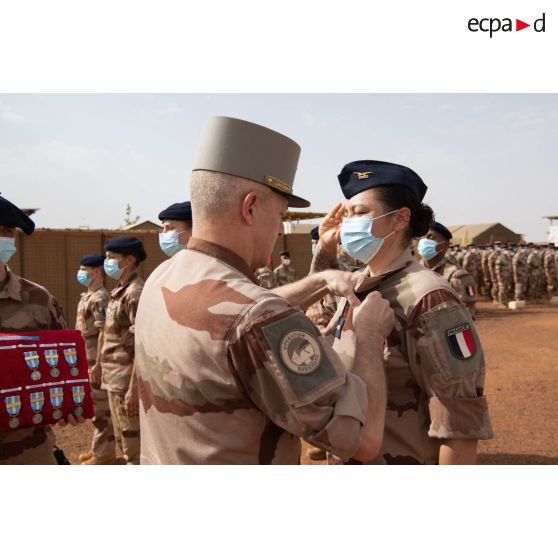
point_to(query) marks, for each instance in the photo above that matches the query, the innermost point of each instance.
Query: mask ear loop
(379, 217)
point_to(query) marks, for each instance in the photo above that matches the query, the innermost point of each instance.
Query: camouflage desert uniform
(239, 378)
(549, 266)
(472, 264)
(91, 315)
(26, 306)
(519, 265)
(504, 276)
(117, 359)
(266, 278)
(492, 257)
(535, 271)
(461, 282)
(284, 274)
(434, 364)
(486, 285)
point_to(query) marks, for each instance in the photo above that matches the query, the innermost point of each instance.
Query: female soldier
(434, 362)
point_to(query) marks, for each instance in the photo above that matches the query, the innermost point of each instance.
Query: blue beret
(125, 245)
(177, 211)
(314, 233)
(364, 175)
(441, 229)
(92, 260)
(11, 216)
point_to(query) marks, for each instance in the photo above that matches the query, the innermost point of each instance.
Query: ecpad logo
(493, 25)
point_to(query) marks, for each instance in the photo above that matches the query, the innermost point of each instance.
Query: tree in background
(128, 220)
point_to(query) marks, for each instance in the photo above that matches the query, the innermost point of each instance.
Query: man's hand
(96, 374)
(71, 420)
(131, 402)
(330, 227)
(342, 283)
(374, 317)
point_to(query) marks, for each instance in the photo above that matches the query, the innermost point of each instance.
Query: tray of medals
(43, 378)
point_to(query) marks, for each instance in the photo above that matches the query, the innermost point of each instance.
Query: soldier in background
(123, 255)
(265, 277)
(90, 320)
(486, 285)
(519, 267)
(432, 248)
(25, 306)
(284, 273)
(472, 263)
(504, 275)
(549, 266)
(492, 257)
(177, 228)
(535, 274)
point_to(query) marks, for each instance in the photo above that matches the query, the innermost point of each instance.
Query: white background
(287, 46)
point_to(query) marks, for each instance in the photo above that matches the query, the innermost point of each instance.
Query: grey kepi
(250, 151)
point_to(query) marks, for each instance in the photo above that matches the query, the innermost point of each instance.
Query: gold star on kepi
(250, 151)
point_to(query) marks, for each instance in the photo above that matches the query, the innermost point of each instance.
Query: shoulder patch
(300, 352)
(461, 341)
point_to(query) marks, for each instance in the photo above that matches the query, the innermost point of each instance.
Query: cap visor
(295, 201)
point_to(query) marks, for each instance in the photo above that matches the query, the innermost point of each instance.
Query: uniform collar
(368, 282)
(222, 254)
(118, 289)
(440, 265)
(12, 288)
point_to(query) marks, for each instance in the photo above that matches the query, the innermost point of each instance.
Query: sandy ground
(521, 349)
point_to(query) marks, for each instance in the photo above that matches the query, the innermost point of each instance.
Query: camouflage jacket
(228, 372)
(26, 306)
(266, 278)
(90, 320)
(434, 363)
(117, 353)
(284, 274)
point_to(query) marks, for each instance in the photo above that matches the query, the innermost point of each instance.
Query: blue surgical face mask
(112, 269)
(427, 248)
(168, 241)
(357, 238)
(7, 248)
(83, 277)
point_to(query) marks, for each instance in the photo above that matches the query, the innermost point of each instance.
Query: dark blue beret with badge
(11, 216)
(92, 260)
(314, 233)
(127, 246)
(364, 175)
(438, 227)
(178, 212)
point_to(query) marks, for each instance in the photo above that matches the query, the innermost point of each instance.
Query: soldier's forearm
(303, 293)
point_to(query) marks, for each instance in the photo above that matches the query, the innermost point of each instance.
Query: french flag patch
(471, 290)
(461, 341)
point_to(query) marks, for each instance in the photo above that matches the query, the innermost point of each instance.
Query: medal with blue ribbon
(32, 361)
(56, 399)
(71, 358)
(13, 406)
(37, 400)
(51, 356)
(78, 393)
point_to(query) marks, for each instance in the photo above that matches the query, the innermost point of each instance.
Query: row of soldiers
(506, 271)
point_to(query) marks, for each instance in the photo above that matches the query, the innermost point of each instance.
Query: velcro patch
(461, 342)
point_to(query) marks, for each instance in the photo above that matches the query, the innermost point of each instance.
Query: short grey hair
(214, 193)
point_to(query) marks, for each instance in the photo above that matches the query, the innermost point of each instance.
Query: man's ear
(248, 206)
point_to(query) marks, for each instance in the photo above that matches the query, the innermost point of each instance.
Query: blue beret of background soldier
(177, 228)
(436, 410)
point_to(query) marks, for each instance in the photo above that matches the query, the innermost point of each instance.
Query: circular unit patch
(300, 352)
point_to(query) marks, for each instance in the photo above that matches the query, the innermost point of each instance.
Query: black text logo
(493, 25)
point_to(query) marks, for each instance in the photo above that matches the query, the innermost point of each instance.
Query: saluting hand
(330, 227)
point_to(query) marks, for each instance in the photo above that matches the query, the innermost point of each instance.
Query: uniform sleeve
(58, 321)
(100, 311)
(447, 360)
(294, 377)
(132, 301)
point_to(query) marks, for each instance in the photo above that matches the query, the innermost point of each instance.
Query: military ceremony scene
(278, 279)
